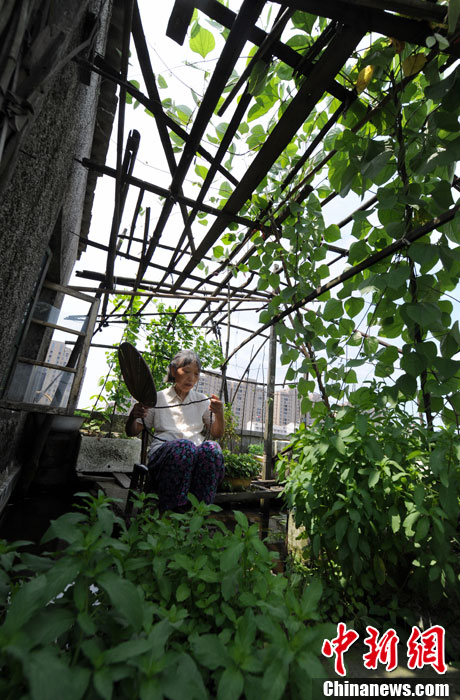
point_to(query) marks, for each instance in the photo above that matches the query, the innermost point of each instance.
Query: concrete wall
(43, 204)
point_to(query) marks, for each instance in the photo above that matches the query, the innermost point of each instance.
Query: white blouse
(178, 419)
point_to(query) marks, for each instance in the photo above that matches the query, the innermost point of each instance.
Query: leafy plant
(256, 448)
(230, 436)
(163, 338)
(240, 465)
(164, 609)
(377, 494)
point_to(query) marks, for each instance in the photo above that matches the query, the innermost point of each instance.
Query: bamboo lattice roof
(167, 254)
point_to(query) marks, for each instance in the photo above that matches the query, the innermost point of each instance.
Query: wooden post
(268, 432)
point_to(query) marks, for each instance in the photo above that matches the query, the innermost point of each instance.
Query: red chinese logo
(423, 648)
(384, 651)
(339, 646)
(427, 648)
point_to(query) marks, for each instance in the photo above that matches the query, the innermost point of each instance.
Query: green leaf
(353, 305)
(64, 528)
(446, 368)
(332, 310)
(303, 20)
(182, 680)
(332, 233)
(409, 521)
(125, 597)
(225, 190)
(374, 477)
(371, 345)
(453, 13)
(449, 501)
(51, 679)
(103, 683)
(424, 314)
(362, 422)
(201, 171)
(130, 649)
(419, 495)
(258, 78)
(183, 592)
(406, 384)
(231, 556)
(422, 529)
(413, 364)
(202, 40)
(379, 569)
(341, 527)
(395, 523)
(231, 684)
(359, 251)
(209, 650)
(48, 624)
(31, 596)
(241, 519)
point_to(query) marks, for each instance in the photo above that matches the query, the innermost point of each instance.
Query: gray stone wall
(43, 204)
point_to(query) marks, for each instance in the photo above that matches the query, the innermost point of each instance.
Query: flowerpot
(239, 481)
(66, 424)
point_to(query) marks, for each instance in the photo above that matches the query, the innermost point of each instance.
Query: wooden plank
(68, 290)
(243, 496)
(371, 19)
(48, 365)
(123, 479)
(217, 11)
(47, 324)
(179, 20)
(90, 322)
(34, 407)
(162, 192)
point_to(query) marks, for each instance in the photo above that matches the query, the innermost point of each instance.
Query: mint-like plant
(164, 608)
(377, 494)
(240, 465)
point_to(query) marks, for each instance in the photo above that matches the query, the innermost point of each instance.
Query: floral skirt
(179, 467)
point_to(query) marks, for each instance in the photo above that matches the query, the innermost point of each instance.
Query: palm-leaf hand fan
(137, 375)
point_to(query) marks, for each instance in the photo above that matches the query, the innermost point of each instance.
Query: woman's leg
(209, 470)
(171, 468)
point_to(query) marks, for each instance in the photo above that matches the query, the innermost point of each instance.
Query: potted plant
(256, 449)
(240, 469)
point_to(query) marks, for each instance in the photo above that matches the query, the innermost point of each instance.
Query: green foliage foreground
(165, 609)
(378, 496)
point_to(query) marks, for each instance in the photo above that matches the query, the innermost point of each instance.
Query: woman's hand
(139, 411)
(218, 424)
(132, 427)
(216, 406)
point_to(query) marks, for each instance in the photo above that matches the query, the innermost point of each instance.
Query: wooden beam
(343, 43)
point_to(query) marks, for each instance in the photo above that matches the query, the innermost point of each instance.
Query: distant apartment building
(48, 381)
(248, 401)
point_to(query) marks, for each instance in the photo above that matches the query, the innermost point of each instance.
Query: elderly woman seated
(180, 459)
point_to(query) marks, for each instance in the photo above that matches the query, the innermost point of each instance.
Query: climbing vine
(162, 337)
(391, 150)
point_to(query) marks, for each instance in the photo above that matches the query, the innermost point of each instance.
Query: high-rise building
(248, 399)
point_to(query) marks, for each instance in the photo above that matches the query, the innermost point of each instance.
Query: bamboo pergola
(220, 293)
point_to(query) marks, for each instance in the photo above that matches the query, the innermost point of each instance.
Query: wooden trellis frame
(350, 20)
(316, 69)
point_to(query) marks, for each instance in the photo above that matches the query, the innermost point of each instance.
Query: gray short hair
(182, 358)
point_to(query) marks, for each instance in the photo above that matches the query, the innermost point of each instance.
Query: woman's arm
(132, 426)
(218, 423)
